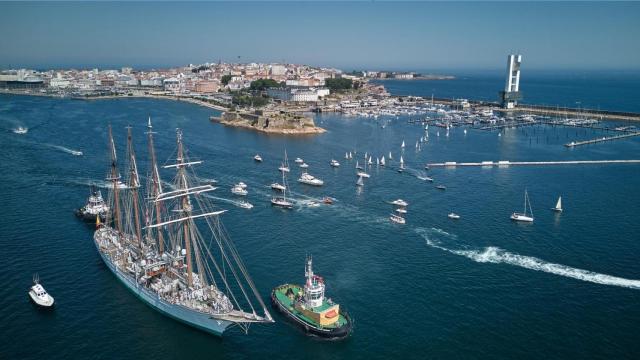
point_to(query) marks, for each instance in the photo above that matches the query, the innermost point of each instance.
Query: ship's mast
(156, 185)
(186, 207)
(114, 178)
(134, 185)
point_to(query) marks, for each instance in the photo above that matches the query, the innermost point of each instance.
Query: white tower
(511, 94)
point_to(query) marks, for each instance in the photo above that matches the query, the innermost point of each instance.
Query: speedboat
(334, 163)
(239, 190)
(77, 153)
(441, 187)
(453, 216)
(397, 219)
(305, 178)
(257, 158)
(39, 295)
(400, 202)
(401, 210)
(276, 186)
(20, 130)
(281, 202)
(245, 205)
(299, 161)
(304, 165)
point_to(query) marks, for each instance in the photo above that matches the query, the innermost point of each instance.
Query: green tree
(263, 84)
(225, 79)
(339, 84)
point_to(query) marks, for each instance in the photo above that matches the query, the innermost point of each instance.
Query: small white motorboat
(21, 130)
(454, 216)
(441, 187)
(401, 210)
(284, 168)
(400, 202)
(239, 190)
(39, 295)
(242, 185)
(397, 219)
(299, 161)
(245, 205)
(334, 163)
(279, 187)
(304, 165)
(257, 158)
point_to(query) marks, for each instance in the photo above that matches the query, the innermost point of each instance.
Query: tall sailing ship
(180, 260)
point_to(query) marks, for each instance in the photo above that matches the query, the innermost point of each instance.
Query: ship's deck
(281, 296)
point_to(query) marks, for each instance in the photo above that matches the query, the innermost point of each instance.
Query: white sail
(360, 182)
(402, 146)
(382, 161)
(401, 160)
(558, 205)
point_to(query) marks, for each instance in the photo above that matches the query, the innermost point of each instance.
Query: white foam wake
(66, 149)
(496, 255)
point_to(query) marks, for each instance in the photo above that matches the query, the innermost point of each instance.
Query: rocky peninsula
(270, 121)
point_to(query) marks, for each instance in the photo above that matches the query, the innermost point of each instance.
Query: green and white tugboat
(309, 309)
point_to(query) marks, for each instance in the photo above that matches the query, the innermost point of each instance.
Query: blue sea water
(605, 90)
(566, 286)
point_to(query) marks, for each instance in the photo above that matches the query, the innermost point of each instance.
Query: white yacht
(304, 165)
(453, 216)
(401, 210)
(279, 187)
(305, 178)
(299, 161)
(39, 295)
(524, 217)
(257, 158)
(335, 163)
(284, 168)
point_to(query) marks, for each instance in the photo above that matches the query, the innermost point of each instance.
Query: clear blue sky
(392, 35)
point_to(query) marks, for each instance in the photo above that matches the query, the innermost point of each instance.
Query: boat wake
(496, 255)
(65, 149)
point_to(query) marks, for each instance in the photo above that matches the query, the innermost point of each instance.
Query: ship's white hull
(201, 321)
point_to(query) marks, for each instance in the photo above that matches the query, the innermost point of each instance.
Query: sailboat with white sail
(524, 216)
(558, 207)
(181, 262)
